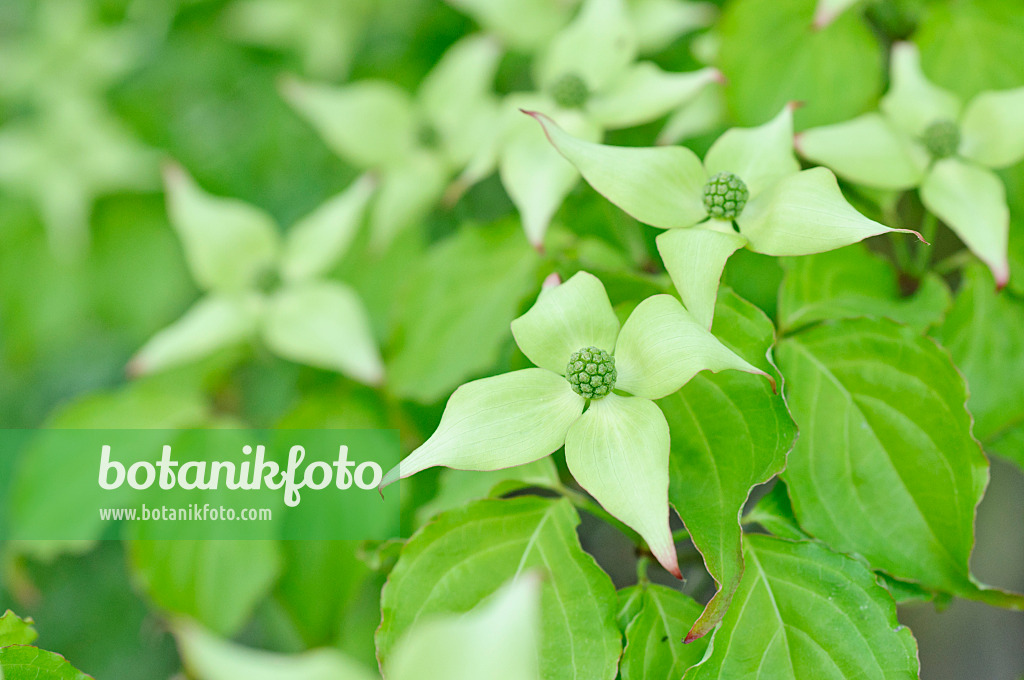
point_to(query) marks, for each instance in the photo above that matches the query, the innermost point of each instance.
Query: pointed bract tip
(693, 635)
(134, 369)
(718, 77)
(173, 172)
(538, 246)
(795, 104)
(1002, 277)
(551, 280)
(917, 234)
(822, 18)
(796, 142)
(390, 478)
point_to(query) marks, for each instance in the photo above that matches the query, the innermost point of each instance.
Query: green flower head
(593, 392)
(748, 192)
(924, 137)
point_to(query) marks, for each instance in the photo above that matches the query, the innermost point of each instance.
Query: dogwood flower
(592, 392)
(926, 138)
(589, 81)
(234, 252)
(415, 144)
(748, 192)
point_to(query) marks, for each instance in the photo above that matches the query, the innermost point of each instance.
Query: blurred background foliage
(186, 80)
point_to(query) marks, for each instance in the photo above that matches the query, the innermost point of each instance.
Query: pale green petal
(695, 259)
(209, 657)
(912, 102)
(324, 324)
(566, 318)
(371, 123)
(521, 24)
(645, 93)
(661, 186)
(701, 116)
(993, 128)
(827, 10)
(496, 640)
(456, 97)
(228, 243)
(320, 239)
(536, 178)
(618, 451)
(213, 323)
(760, 156)
(867, 150)
(496, 423)
(659, 23)
(662, 346)
(803, 214)
(407, 192)
(972, 202)
(597, 46)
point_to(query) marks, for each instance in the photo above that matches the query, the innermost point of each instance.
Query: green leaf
(496, 423)
(217, 583)
(654, 638)
(566, 318)
(729, 433)
(29, 663)
(661, 186)
(866, 150)
(813, 62)
(803, 214)
(885, 465)
(324, 324)
(852, 282)
(464, 556)
(661, 347)
(802, 611)
(208, 657)
(973, 46)
(971, 200)
(15, 630)
(646, 93)
(454, 314)
(618, 451)
(597, 46)
(498, 639)
(984, 332)
(774, 512)
(228, 243)
(523, 24)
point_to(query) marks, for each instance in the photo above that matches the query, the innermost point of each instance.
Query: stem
(904, 261)
(923, 253)
(680, 535)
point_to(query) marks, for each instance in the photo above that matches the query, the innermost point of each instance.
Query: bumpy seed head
(725, 196)
(570, 91)
(591, 372)
(942, 139)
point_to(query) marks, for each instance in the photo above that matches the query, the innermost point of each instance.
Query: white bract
(231, 248)
(785, 211)
(618, 447)
(588, 80)
(925, 137)
(415, 144)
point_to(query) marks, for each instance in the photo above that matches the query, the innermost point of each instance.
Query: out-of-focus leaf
(812, 63)
(801, 609)
(852, 282)
(455, 562)
(454, 317)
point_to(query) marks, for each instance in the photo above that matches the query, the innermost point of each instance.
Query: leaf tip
(551, 280)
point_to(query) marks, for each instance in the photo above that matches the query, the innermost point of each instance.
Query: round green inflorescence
(725, 196)
(591, 372)
(570, 91)
(942, 139)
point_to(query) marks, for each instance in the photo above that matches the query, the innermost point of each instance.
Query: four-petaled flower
(617, 441)
(259, 285)
(749, 191)
(926, 138)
